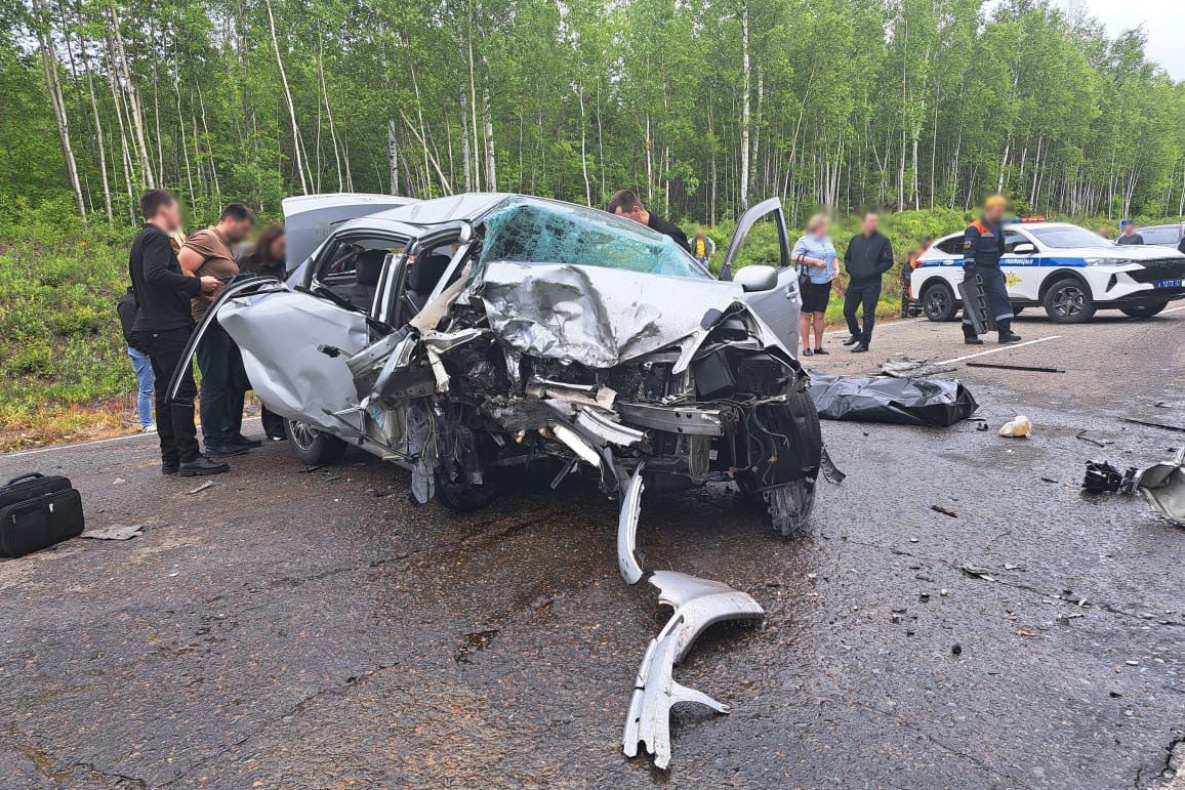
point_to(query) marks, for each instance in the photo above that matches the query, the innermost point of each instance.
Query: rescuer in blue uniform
(983, 246)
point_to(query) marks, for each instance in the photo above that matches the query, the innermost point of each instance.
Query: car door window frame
(745, 224)
(332, 246)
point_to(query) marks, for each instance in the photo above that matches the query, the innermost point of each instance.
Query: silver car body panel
(598, 317)
(627, 529)
(282, 335)
(698, 603)
(310, 219)
(1163, 485)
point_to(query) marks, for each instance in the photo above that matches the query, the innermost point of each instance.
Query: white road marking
(882, 326)
(997, 350)
(76, 445)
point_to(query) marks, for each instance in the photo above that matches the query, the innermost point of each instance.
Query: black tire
(938, 302)
(312, 445)
(1068, 301)
(1144, 311)
(466, 497)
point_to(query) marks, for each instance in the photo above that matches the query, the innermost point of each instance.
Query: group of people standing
(868, 256)
(173, 284)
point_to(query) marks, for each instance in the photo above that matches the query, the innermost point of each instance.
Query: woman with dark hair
(267, 258)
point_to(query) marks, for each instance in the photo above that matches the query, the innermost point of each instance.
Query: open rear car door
(780, 306)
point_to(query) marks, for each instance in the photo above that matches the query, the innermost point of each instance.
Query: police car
(1066, 269)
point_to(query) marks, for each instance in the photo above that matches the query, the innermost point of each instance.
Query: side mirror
(757, 278)
(1024, 248)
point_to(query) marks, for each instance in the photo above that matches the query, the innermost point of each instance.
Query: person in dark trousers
(141, 364)
(224, 379)
(267, 259)
(983, 246)
(162, 326)
(625, 203)
(1129, 235)
(868, 257)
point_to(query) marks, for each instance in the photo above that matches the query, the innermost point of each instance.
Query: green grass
(60, 344)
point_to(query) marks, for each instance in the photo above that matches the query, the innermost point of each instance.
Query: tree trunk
(393, 156)
(296, 145)
(49, 62)
(136, 114)
(583, 149)
(746, 121)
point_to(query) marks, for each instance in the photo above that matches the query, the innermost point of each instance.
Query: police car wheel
(938, 302)
(1144, 311)
(1069, 301)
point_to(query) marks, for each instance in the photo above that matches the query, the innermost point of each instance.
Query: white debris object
(1018, 427)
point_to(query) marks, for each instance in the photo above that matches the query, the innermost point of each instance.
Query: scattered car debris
(899, 366)
(1163, 485)
(203, 487)
(1028, 368)
(944, 511)
(698, 603)
(114, 532)
(1102, 477)
(1151, 424)
(976, 571)
(627, 529)
(473, 643)
(1019, 427)
(924, 402)
(1081, 436)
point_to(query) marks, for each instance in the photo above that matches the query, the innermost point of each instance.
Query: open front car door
(779, 306)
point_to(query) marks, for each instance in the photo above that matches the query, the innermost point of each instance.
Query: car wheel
(462, 496)
(790, 506)
(312, 445)
(1144, 311)
(1069, 301)
(938, 302)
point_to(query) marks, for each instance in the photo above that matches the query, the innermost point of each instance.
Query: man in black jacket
(162, 327)
(625, 203)
(868, 257)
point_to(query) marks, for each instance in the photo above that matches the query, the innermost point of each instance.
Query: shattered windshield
(523, 230)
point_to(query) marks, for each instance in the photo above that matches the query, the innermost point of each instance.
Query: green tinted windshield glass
(523, 230)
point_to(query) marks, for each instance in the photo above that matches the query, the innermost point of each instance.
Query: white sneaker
(150, 428)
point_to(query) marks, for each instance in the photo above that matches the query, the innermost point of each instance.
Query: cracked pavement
(291, 629)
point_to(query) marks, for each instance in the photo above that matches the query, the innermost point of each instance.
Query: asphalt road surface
(312, 629)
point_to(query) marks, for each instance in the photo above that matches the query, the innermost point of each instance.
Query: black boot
(851, 341)
(202, 466)
(1005, 328)
(969, 336)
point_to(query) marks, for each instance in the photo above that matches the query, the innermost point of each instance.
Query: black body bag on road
(928, 402)
(37, 511)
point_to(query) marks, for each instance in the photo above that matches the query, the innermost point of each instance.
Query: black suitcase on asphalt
(36, 511)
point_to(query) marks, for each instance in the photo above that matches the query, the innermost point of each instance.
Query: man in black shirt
(1129, 233)
(625, 203)
(162, 326)
(868, 257)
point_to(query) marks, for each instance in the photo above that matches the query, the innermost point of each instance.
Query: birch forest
(703, 106)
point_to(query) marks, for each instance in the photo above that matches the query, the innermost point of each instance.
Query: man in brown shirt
(207, 253)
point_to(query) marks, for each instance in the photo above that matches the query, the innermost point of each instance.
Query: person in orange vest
(983, 246)
(911, 263)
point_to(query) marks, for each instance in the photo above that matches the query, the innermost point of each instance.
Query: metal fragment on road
(203, 487)
(698, 604)
(1163, 485)
(114, 532)
(627, 529)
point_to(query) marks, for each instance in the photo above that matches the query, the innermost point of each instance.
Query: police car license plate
(1169, 283)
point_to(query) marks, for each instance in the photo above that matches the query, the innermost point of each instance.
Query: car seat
(368, 267)
(422, 279)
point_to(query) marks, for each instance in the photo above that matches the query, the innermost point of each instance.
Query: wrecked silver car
(466, 335)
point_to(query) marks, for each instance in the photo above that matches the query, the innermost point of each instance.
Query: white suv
(1067, 269)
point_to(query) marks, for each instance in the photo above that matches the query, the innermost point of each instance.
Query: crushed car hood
(598, 317)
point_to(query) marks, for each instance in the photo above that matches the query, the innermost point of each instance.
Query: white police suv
(1068, 270)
